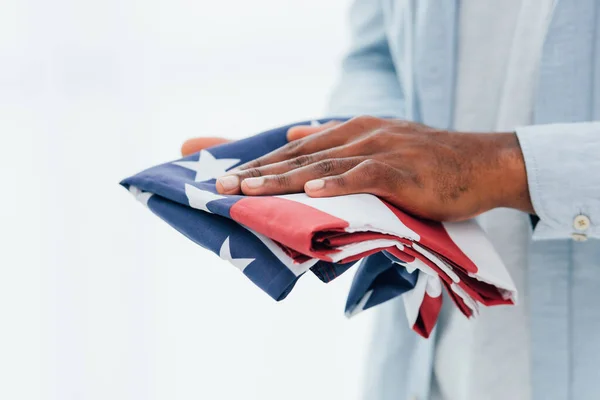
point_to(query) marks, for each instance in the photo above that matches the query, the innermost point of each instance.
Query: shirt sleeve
(563, 174)
(368, 83)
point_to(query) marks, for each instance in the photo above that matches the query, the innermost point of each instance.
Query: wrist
(511, 187)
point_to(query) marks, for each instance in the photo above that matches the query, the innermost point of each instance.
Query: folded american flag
(274, 240)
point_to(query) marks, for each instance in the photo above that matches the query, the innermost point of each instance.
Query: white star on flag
(198, 198)
(208, 167)
(225, 254)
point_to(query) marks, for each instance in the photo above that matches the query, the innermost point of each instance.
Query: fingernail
(253, 183)
(234, 170)
(316, 184)
(229, 182)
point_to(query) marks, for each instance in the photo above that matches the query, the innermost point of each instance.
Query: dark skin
(435, 174)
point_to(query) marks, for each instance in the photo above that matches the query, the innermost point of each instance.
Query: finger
(230, 183)
(301, 131)
(367, 177)
(293, 181)
(194, 145)
(326, 139)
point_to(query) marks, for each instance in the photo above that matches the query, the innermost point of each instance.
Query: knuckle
(250, 165)
(282, 180)
(251, 173)
(299, 161)
(325, 166)
(381, 137)
(370, 167)
(364, 120)
(293, 149)
(375, 140)
(340, 181)
(362, 123)
(403, 123)
(378, 174)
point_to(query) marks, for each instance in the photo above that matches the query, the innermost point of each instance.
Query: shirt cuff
(563, 174)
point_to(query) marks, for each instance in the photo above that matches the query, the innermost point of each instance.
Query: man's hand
(440, 175)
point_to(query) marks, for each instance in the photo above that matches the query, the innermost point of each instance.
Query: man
(522, 77)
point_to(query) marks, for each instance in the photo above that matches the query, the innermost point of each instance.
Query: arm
(368, 83)
(563, 173)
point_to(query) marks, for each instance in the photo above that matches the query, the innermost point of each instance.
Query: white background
(99, 299)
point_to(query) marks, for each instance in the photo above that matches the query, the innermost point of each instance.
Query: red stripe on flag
(434, 236)
(399, 254)
(288, 222)
(428, 315)
(457, 300)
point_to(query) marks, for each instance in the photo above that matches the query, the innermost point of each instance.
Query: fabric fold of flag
(274, 240)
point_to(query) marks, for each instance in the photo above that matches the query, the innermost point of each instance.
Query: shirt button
(581, 222)
(579, 237)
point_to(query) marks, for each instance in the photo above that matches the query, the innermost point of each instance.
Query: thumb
(300, 131)
(194, 145)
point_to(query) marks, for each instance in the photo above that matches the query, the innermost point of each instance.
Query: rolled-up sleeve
(368, 83)
(563, 174)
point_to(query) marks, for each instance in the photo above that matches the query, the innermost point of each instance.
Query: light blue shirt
(403, 63)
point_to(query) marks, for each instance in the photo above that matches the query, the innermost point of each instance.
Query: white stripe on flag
(414, 298)
(359, 211)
